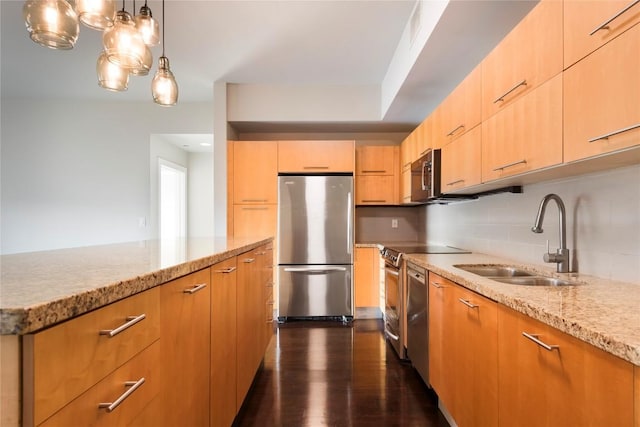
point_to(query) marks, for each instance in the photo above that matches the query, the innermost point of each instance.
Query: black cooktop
(427, 249)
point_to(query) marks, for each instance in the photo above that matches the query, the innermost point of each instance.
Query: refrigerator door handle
(349, 224)
(313, 269)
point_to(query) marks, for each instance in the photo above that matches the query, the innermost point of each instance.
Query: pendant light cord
(163, 27)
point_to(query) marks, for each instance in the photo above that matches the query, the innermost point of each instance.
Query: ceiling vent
(415, 22)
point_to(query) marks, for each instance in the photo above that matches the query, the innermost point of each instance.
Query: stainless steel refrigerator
(315, 246)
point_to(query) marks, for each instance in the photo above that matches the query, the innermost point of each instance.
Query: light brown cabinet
(602, 99)
(255, 220)
(461, 161)
(255, 172)
(526, 135)
(367, 277)
(558, 380)
(589, 24)
(65, 361)
(463, 360)
(223, 343)
(527, 57)
(185, 347)
(377, 177)
(315, 156)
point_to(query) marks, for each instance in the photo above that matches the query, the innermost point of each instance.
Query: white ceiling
(273, 42)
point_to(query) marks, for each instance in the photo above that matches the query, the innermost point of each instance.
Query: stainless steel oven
(394, 317)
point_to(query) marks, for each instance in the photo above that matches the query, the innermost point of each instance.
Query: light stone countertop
(601, 312)
(40, 289)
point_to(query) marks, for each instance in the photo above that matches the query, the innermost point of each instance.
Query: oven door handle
(391, 335)
(392, 272)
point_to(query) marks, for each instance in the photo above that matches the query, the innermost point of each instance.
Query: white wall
(603, 223)
(200, 215)
(76, 174)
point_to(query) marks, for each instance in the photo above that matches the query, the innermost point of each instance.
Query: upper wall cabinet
(376, 160)
(602, 99)
(590, 24)
(315, 156)
(527, 57)
(377, 177)
(460, 112)
(255, 172)
(461, 161)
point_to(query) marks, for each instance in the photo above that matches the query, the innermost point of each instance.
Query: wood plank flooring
(329, 374)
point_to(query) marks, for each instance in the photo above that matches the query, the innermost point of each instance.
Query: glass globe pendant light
(164, 88)
(123, 43)
(145, 66)
(148, 27)
(96, 14)
(111, 76)
(51, 23)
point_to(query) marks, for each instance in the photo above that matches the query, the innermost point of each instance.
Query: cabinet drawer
(376, 190)
(129, 389)
(316, 156)
(589, 24)
(601, 97)
(527, 57)
(525, 136)
(62, 362)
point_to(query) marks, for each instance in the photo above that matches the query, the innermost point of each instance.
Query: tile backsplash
(374, 224)
(602, 214)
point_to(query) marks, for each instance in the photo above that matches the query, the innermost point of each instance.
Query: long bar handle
(374, 171)
(605, 25)
(455, 130)
(313, 269)
(256, 200)
(195, 288)
(501, 98)
(133, 386)
(468, 303)
(248, 260)
(615, 132)
(373, 201)
(393, 273)
(246, 208)
(534, 338)
(316, 167)
(437, 285)
(455, 182)
(392, 335)
(425, 152)
(131, 320)
(508, 165)
(225, 270)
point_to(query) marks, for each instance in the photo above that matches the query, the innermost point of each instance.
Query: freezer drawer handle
(605, 25)
(131, 320)
(534, 338)
(313, 269)
(134, 385)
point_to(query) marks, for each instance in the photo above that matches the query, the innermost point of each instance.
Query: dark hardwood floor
(329, 374)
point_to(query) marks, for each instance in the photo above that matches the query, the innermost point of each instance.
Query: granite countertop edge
(597, 333)
(29, 319)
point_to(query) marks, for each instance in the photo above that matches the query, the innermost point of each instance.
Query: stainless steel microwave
(425, 177)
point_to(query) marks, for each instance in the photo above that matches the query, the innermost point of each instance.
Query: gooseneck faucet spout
(561, 257)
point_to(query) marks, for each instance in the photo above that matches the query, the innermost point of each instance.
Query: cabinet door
(601, 97)
(223, 343)
(366, 277)
(461, 161)
(527, 57)
(185, 348)
(376, 160)
(316, 156)
(461, 109)
(257, 220)
(568, 383)
(255, 172)
(406, 187)
(589, 24)
(526, 135)
(376, 190)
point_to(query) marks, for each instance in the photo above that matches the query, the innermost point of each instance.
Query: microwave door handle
(424, 184)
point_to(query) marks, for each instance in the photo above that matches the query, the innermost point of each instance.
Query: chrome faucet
(561, 257)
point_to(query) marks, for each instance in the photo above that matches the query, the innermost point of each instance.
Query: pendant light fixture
(145, 66)
(96, 14)
(111, 76)
(51, 23)
(164, 88)
(123, 43)
(148, 27)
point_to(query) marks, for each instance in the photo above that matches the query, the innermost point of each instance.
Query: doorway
(172, 200)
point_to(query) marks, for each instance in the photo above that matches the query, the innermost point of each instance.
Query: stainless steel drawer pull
(534, 338)
(316, 167)
(374, 171)
(373, 201)
(425, 152)
(437, 285)
(467, 303)
(522, 83)
(255, 209)
(248, 260)
(133, 386)
(131, 320)
(615, 132)
(455, 130)
(256, 200)
(391, 272)
(455, 182)
(195, 288)
(391, 334)
(605, 25)
(313, 269)
(225, 270)
(508, 165)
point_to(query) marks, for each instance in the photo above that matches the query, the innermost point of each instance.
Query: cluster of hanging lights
(126, 40)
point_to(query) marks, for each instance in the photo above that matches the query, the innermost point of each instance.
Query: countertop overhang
(40, 289)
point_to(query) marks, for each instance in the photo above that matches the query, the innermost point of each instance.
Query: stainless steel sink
(494, 270)
(513, 275)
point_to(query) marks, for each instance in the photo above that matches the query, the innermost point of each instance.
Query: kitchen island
(42, 292)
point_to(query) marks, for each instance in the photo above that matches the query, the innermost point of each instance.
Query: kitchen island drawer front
(118, 398)
(601, 99)
(62, 362)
